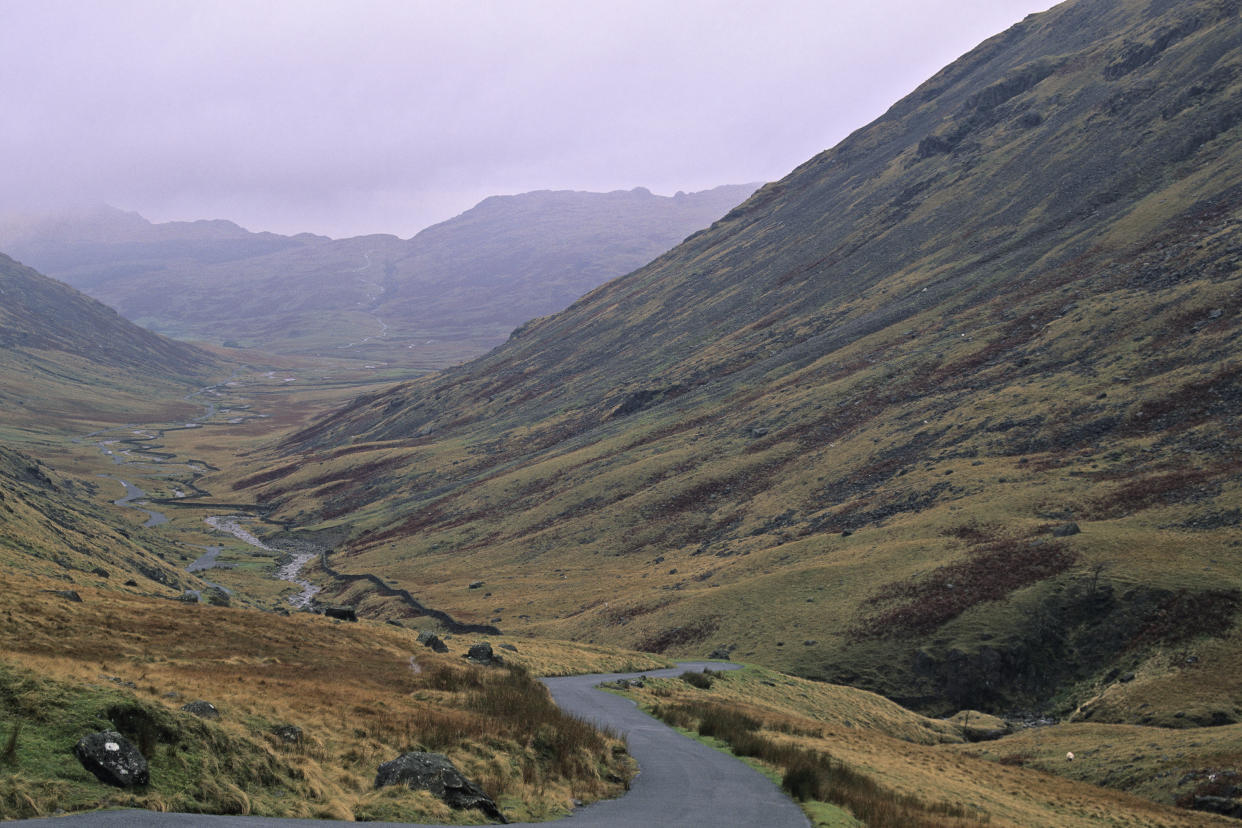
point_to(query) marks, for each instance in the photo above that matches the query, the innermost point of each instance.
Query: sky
(386, 116)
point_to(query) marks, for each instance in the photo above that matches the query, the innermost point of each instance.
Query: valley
(935, 439)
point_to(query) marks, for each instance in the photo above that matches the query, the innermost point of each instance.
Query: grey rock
(475, 584)
(431, 640)
(202, 709)
(1065, 530)
(482, 654)
(113, 759)
(289, 734)
(509, 647)
(67, 594)
(434, 772)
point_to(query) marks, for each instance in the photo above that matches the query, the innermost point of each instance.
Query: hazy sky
(364, 116)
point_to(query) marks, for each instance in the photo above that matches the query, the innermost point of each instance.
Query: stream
(231, 524)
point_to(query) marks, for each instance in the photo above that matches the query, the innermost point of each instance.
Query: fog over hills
(837, 430)
(463, 284)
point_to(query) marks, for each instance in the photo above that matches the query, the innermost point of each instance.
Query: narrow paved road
(681, 783)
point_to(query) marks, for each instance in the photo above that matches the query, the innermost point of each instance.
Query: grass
(817, 742)
(68, 669)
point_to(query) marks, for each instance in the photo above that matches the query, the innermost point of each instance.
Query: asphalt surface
(680, 783)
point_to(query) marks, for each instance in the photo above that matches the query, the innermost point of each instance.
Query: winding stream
(231, 524)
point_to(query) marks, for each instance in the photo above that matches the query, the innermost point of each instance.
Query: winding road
(681, 782)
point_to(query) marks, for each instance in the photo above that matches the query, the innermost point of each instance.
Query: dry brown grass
(812, 724)
(362, 693)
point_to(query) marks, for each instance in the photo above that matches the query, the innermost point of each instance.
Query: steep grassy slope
(69, 366)
(449, 293)
(835, 431)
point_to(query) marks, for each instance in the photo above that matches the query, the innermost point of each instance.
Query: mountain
(948, 413)
(66, 359)
(452, 291)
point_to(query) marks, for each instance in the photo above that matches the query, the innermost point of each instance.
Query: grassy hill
(451, 292)
(68, 362)
(844, 431)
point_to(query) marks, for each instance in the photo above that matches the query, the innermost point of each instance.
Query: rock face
(433, 772)
(113, 759)
(1065, 530)
(430, 639)
(202, 709)
(482, 654)
(341, 613)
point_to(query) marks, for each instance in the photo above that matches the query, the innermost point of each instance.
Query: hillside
(68, 361)
(451, 292)
(845, 430)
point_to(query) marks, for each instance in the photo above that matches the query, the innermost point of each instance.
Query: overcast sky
(345, 118)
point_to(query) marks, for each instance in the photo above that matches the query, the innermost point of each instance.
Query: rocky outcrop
(483, 654)
(341, 613)
(202, 709)
(113, 759)
(431, 640)
(288, 734)
(435, 773)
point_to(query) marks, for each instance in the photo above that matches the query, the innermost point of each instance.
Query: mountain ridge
(1025, 271)
(458, 287)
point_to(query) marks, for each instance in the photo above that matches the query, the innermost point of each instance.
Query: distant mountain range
(950, 412)
(453, 290)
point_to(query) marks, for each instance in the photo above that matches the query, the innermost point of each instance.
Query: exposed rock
(482, 654)
(430, 639)
(113, 759)
(67, 594)
(341, 613)
(433, 772)
(721, 653)
(475, 585)
(509, 647)
(189, 596)
(289, 734)
(202, 709)
(1065, 530)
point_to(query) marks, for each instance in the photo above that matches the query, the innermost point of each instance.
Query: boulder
(289, 734)
(113, 759)
(482, 654)
(202, 709)
(1065, 530)
(476, 585)
(68, 594)
(434, 772)
(341, 613)
(430, 639)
